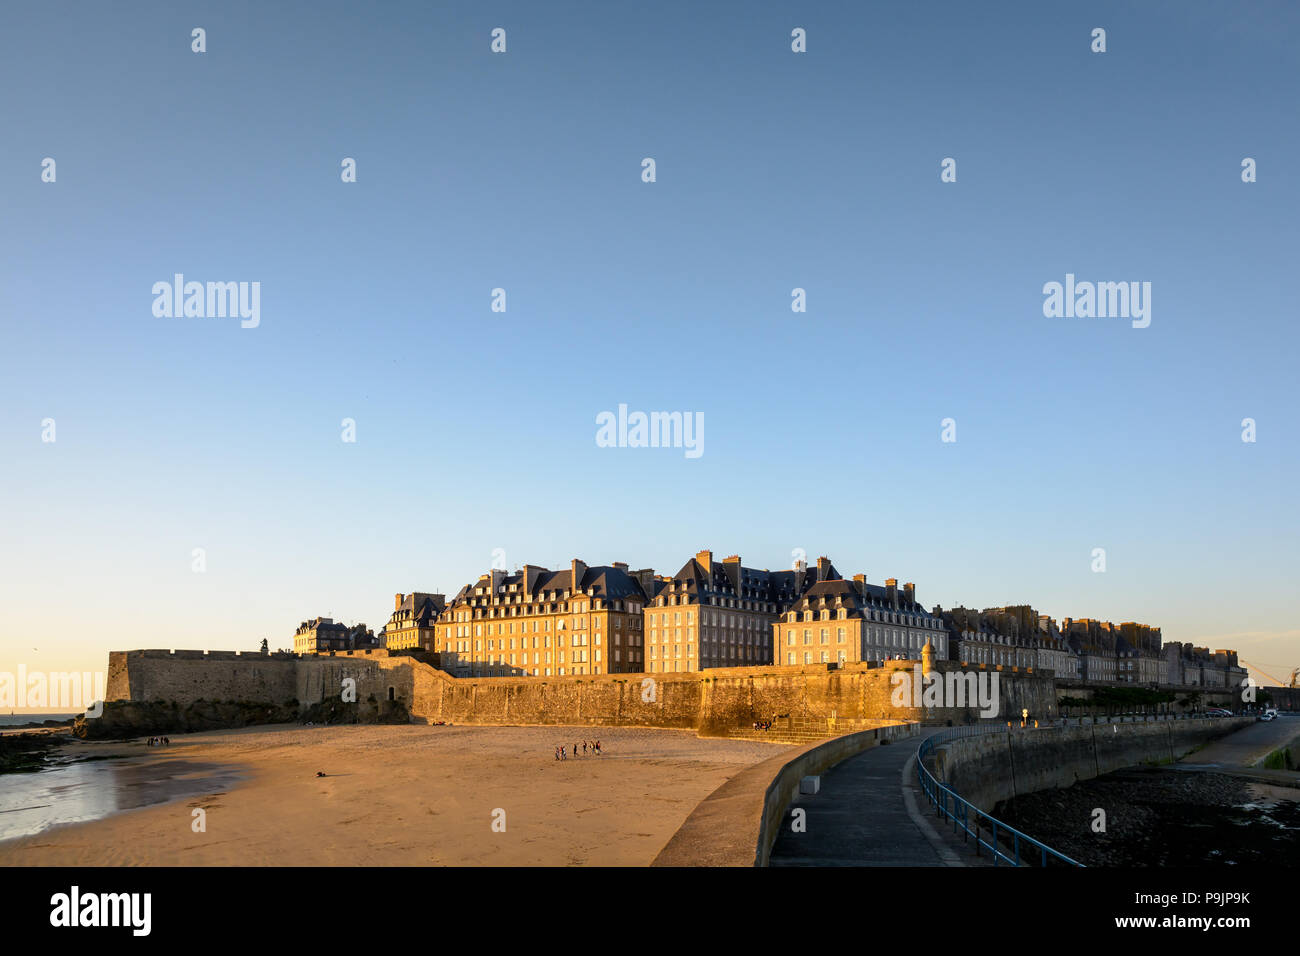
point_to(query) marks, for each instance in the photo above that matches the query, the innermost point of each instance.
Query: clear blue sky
(476, 430)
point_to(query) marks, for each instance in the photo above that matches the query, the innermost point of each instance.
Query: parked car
(1218, 712)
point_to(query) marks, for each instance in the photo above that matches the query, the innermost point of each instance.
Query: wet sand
(405, 795)
(67, 790)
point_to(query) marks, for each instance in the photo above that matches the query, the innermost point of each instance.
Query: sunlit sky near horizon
(475, 430)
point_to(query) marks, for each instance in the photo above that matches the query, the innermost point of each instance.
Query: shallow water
(77, 791)
(18, 720)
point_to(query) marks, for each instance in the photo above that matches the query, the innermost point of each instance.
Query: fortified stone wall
(1229, 697)
(187, 676)
(994, 767)
(1284, 698)
(711, 702)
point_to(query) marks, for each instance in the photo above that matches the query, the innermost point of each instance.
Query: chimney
(823, 568)
(579, 568)
(397, 601)
(621, 565)
(860, 578)
(532, 574)
(646, 578)
(909, 592)
(891, 591)
(706, 560)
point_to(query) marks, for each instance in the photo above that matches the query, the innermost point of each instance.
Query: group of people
(562, 752)
(158, 742)
(762, 725)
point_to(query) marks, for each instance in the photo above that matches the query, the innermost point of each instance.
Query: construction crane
(1292, 681)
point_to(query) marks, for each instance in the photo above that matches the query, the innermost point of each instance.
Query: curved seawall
(997, 766)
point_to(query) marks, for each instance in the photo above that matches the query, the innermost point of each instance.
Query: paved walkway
(861, 818)
(1245, 747)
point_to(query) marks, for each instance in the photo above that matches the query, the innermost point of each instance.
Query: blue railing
(989, 832)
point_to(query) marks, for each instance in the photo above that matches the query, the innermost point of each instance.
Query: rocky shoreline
(26, 752)
(123, 720)
(1157, 816)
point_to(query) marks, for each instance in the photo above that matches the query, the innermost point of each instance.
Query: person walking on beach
(584, 746)
(597, 748)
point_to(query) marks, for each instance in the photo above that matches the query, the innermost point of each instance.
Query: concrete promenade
(868, 813)
(1246, 747)
(1240, 754)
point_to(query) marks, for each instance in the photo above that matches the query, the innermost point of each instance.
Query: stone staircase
(800, 731)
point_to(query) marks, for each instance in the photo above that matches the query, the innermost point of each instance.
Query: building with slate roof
(411, 626)
(322, 635)
(536, 622)
(719, 613)
(839, 621)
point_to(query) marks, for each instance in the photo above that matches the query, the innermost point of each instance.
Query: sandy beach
(409, 795)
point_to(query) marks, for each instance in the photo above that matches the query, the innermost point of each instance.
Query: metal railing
(951, 806)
